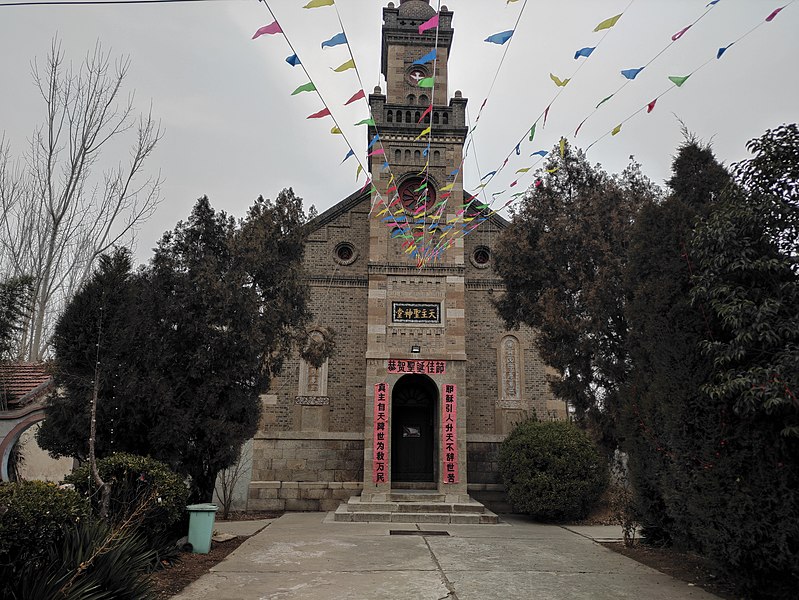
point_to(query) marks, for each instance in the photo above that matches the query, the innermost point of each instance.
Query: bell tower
(416, 396)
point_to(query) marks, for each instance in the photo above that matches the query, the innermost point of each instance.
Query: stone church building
(425, 381)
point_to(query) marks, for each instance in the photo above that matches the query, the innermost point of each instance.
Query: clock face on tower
(412, 196)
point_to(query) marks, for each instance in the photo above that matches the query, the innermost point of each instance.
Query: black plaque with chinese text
(416, 312)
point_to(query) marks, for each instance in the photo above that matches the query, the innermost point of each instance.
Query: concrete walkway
(307, 556)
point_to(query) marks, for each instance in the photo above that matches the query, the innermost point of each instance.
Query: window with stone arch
(313, 379)
(424, 100)
(511, 369)
(411, 99)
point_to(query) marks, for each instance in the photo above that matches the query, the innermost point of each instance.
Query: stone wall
(305, 471)
(485, 483)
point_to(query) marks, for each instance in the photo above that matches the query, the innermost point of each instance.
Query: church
(425, 381)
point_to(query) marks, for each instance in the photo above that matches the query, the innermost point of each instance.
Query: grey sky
(232, 130)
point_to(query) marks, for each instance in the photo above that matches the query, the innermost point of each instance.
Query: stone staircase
(415, 506)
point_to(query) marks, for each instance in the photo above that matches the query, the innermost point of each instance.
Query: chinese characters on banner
(423, 367)
(380, 441)
(449, 420)
(415, 312)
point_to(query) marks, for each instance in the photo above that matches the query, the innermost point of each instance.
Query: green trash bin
(201, 526)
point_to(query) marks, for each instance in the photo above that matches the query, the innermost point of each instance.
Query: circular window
(345, 253)
(481, 257)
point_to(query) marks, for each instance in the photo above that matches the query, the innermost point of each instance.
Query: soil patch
(685, 566)
(189, 567)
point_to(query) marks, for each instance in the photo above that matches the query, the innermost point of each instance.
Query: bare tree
(59, 208)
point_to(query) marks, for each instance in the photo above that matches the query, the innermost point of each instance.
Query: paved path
(305, 556)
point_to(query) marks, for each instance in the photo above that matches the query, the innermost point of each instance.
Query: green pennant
(306, 87)
(365, 122)
(601, 102)
(532, 131)
(421, 187)
(427, 82)
(678, 81)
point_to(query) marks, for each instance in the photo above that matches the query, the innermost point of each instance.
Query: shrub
(92, 561)
(552, 471)
(32, 515)
(141, 486)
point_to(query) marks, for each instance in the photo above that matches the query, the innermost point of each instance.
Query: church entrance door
(413, 448)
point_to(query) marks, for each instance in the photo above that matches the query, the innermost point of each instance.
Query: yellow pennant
(616, 129)
(424, 133)
(558, 82)
(350, 64)
(319, 3)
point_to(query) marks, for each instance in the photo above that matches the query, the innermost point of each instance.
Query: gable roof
(22, 383)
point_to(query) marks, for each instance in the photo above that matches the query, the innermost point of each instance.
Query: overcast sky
(232, 130)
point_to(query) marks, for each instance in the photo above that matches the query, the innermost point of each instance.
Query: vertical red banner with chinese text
(380, 440)
(449, 432)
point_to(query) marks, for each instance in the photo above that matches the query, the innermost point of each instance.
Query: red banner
(449, 431)
(423, 367)
(380, 440)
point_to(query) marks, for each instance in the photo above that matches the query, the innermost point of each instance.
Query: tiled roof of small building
(22, 383)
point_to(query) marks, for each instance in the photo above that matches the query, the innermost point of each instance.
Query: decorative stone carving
(510, 388)
(312, 400)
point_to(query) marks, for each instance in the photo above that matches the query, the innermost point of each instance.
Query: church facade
(424, 382)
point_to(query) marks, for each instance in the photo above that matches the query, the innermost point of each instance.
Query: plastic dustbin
(201, 526)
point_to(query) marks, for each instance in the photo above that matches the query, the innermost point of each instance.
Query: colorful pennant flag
(336, 40)
(680, 33)
(770, 18)
(651, 106)
(518, 150)
(293, 60)
(306, 87)
(373, 142)
(491, 174)
(546, 114)
(431, 23)
(576, 131)
(723, 50)
(319, 3)
(350, 153)
(270, 29)
(585, 52)
(322, 113)
(616, 129)
(427, 82)
(356, 96)
(336, 131)
(378, 152)
(558, 82)
(500, 38)
(631, 73)
(608, 23)
(368, 121)
(540, 153)
(350, 64)
(429, 57)
(532, 131)
(426, 112)
(678, 81)
(601, 102)
(424, 133)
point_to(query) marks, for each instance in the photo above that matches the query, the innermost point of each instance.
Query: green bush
(138, 483)
(552, 471)
(32, 515)
(91, 562)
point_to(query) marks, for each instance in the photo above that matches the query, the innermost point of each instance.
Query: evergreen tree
(210, 320)
(562, 260)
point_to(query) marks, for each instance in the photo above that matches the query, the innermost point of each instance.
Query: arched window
(435, 118)
(397, 155)
(418, 116)
(417, 156)
(411, 99)
(427, 118)
(407, 156)
(445, 118)
(407, 116)
(390, 116)
(436, 155)
(424, 100)
(399, 116)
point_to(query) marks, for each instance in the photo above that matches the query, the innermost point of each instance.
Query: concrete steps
(414, 506)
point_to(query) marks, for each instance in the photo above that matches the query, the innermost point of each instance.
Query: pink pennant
(770, 18)
(360, 94)
(546, 114)
(429, 24)
(365, 185)
(514, 183)
(325, 112)
(378, 152)
(680, 33)
(651, 106)
(270, 29)
(426, 112)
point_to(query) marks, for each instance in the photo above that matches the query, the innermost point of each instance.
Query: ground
(690, 568)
